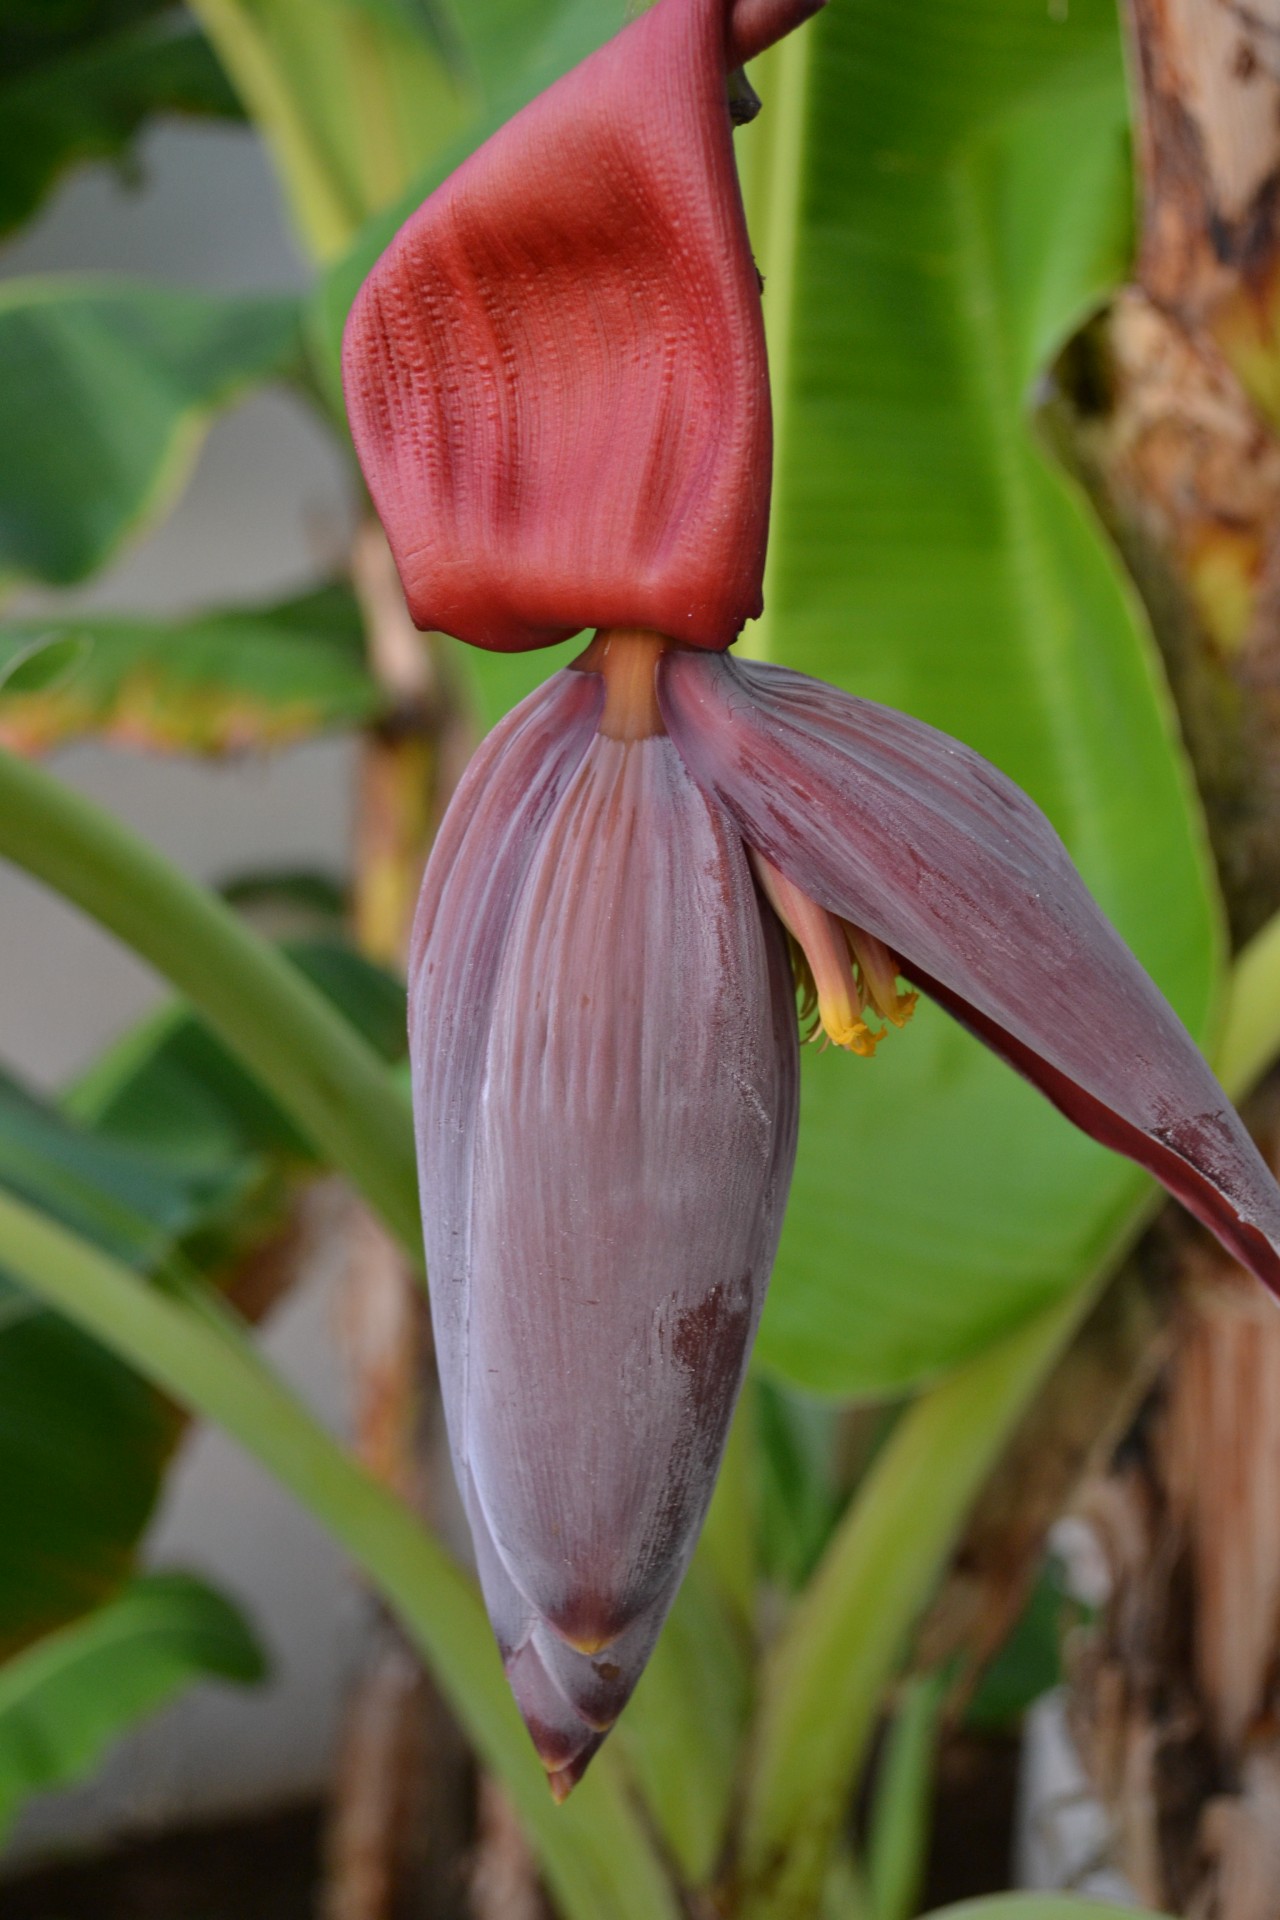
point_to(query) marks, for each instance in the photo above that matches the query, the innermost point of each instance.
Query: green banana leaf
(682, 1731)
(937, 202)
(65, 1699)
(168, 1156)
(429, 20)
(219, 682)
(83, 1440)
(171, 1089)
(83, 1443)
(79, 82)
(518, 47)
(109, 385)
(801, 1496)
(352, 96)
(127, 1201)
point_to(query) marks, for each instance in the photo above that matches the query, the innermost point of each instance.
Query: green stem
(594, 1850)
(1250, 1038)
(898, 1829)
(323, 205)
(825, 1680)
(288, 1036)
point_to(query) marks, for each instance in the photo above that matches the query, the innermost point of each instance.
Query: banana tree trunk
(1173, 1692)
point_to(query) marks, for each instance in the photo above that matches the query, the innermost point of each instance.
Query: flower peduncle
(627, 659)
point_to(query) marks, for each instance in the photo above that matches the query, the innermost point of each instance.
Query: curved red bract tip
(556, 373)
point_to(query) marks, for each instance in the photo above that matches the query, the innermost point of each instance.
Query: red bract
(556, 373)
(557, 386)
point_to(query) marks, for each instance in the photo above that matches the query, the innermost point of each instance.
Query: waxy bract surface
(556, 374)
(604, 1044)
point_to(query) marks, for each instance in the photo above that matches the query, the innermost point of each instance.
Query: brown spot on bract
(1245, 63)
(709, 1341)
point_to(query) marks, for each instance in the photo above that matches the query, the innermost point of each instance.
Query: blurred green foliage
(82, 79)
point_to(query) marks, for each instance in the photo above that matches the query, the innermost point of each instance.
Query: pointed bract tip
(558, 1733)
(563, 1781)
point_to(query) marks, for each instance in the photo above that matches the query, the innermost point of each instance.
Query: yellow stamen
(823, 941)
(627, 659)
(878, 977)
(801, 973)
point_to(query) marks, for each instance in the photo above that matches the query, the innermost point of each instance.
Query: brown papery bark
(1174, 1693)
(1209, 153)
(1187, 453)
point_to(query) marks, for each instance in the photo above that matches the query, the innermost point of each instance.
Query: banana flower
(557, 384)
